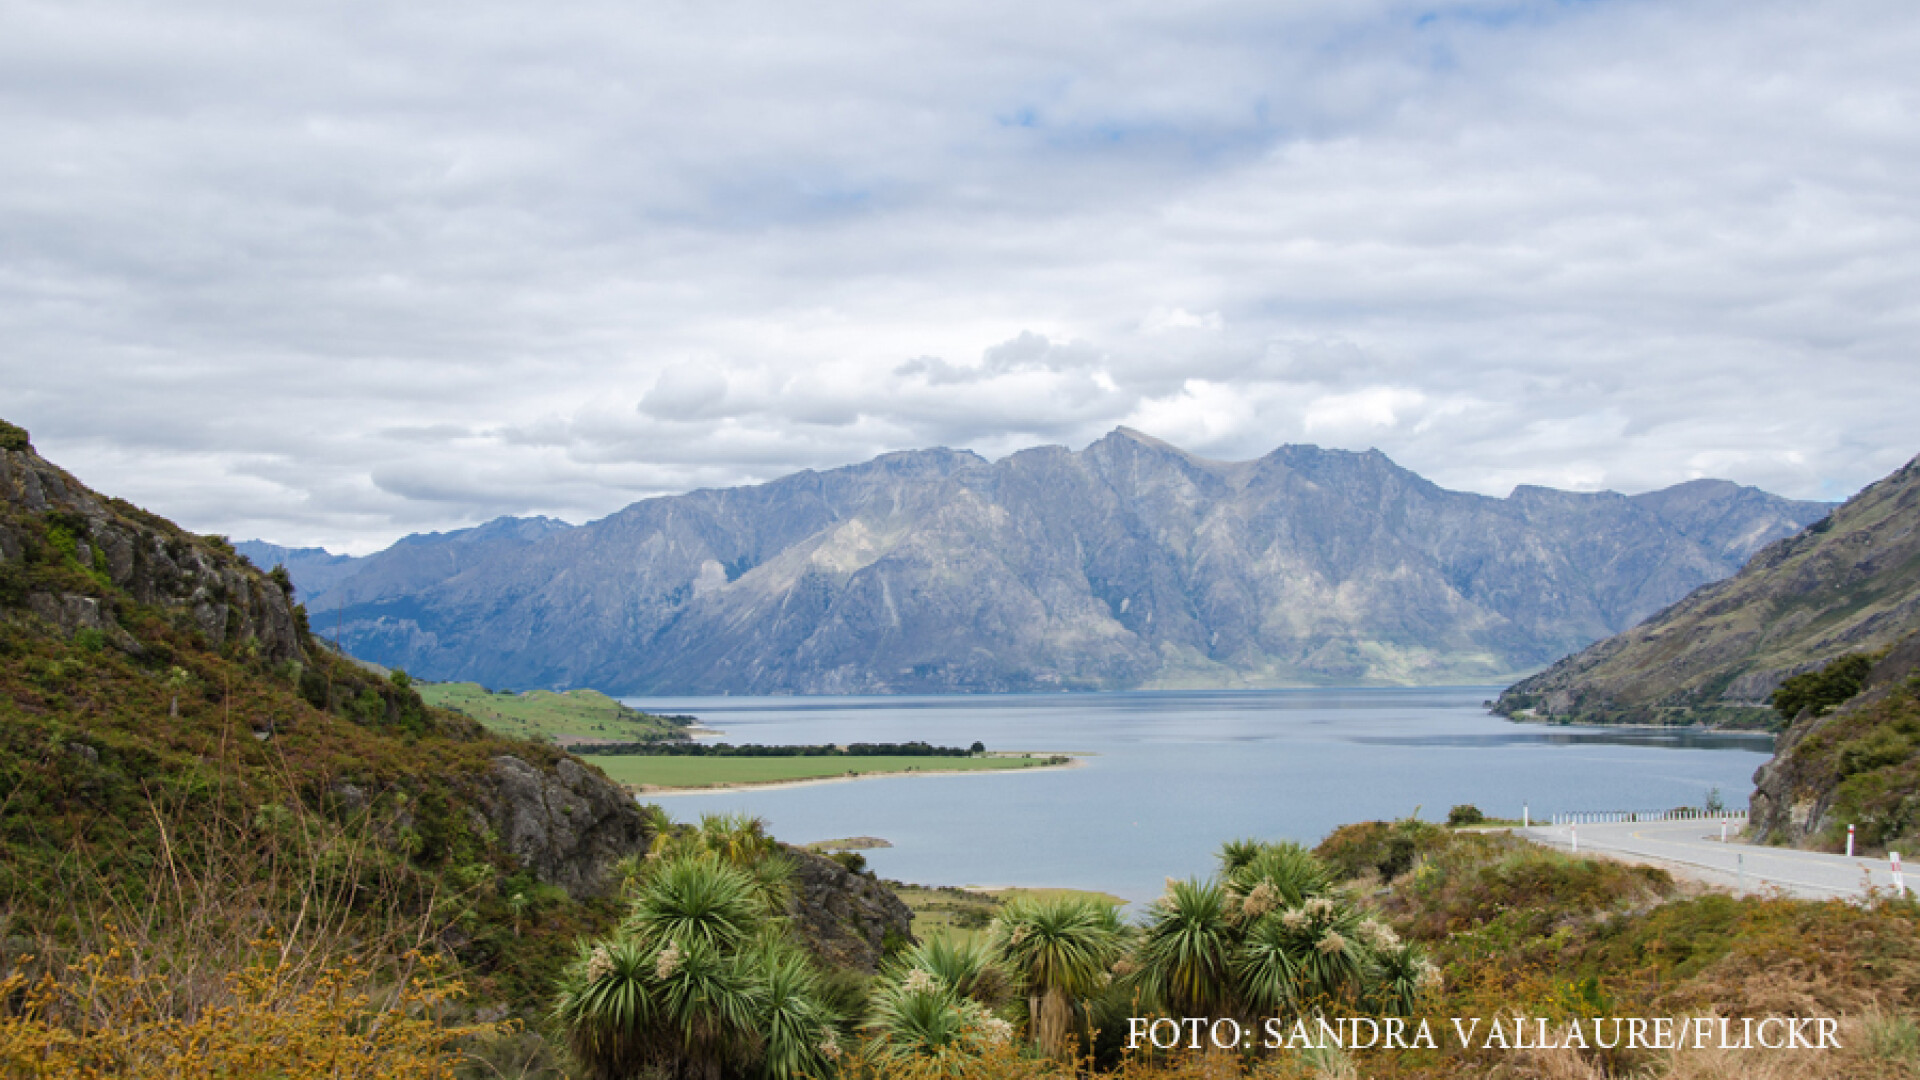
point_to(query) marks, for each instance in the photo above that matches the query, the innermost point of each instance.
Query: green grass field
(964, 913)
(544, 714)
(697, 772)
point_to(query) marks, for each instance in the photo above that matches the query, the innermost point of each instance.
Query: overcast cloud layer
(331, 273)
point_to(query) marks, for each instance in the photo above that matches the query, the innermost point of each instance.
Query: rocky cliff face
(1850, 583)
(1129, 564)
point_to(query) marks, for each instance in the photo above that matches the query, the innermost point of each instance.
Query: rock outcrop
(1128, 564)
(1850, 583)
(106, 542)
(566, 824)
(849, 920)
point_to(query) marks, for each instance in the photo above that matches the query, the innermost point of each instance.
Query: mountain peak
(1135, 434)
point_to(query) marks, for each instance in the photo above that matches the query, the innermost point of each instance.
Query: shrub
(1386, 848)
(278, 1018)
(1465, 814)
(14, 437)
(1824, 689)
(853, 861)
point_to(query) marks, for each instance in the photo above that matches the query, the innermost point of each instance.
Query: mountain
(1128, 564)
(1850, 583)
(316, 569)
(419, 559)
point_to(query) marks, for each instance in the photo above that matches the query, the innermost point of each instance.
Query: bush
(1824, 689)
(1387, 848)
(278, 1015)
(1465, 814)
(13, 437)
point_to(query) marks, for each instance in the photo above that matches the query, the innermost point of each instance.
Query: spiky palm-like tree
(740, 839)
(1063, 949)
(1404, 976)
(701, 981)
(1291, 874)
(1327, 944)
(1235, 854)
(1186, 951)
(1266, 970)
(969, 967)
(695, 1011)
(689, 898)
(710, 1002)
(796, 1026)
(607, 1008)
(915, 1022)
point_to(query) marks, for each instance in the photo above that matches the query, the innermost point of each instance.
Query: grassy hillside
(1848, 584)
(566, 717)
(185, 770)
(1857, 763)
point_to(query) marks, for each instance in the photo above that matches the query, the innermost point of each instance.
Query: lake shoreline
(776, 785)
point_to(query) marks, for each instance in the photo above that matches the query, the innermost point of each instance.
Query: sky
(327, 274)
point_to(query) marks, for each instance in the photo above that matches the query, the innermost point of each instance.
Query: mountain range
(1130, 564)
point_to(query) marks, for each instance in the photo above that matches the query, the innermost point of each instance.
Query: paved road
(1693, 849)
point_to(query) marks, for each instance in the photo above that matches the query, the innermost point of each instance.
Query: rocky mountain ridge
(1128, 564)
(1849, 584)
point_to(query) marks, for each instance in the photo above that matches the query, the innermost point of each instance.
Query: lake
(1173, 774)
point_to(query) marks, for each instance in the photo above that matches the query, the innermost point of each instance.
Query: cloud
(686, 391)
(1345, 415)
(328, 274)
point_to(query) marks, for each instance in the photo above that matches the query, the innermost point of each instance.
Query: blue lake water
(1172, 775)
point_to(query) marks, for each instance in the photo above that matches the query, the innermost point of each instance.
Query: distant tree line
(697, 749)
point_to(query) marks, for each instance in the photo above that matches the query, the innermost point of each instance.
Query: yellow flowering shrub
(278, 1020)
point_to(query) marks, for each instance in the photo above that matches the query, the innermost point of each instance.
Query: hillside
(1857, 764)
(575, 716)
(1850, 583)
(175, 748)
(1128, 564)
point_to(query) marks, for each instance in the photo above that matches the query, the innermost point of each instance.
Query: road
(1694, 849)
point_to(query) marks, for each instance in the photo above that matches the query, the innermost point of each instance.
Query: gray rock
(846, 918)
(568, 825)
